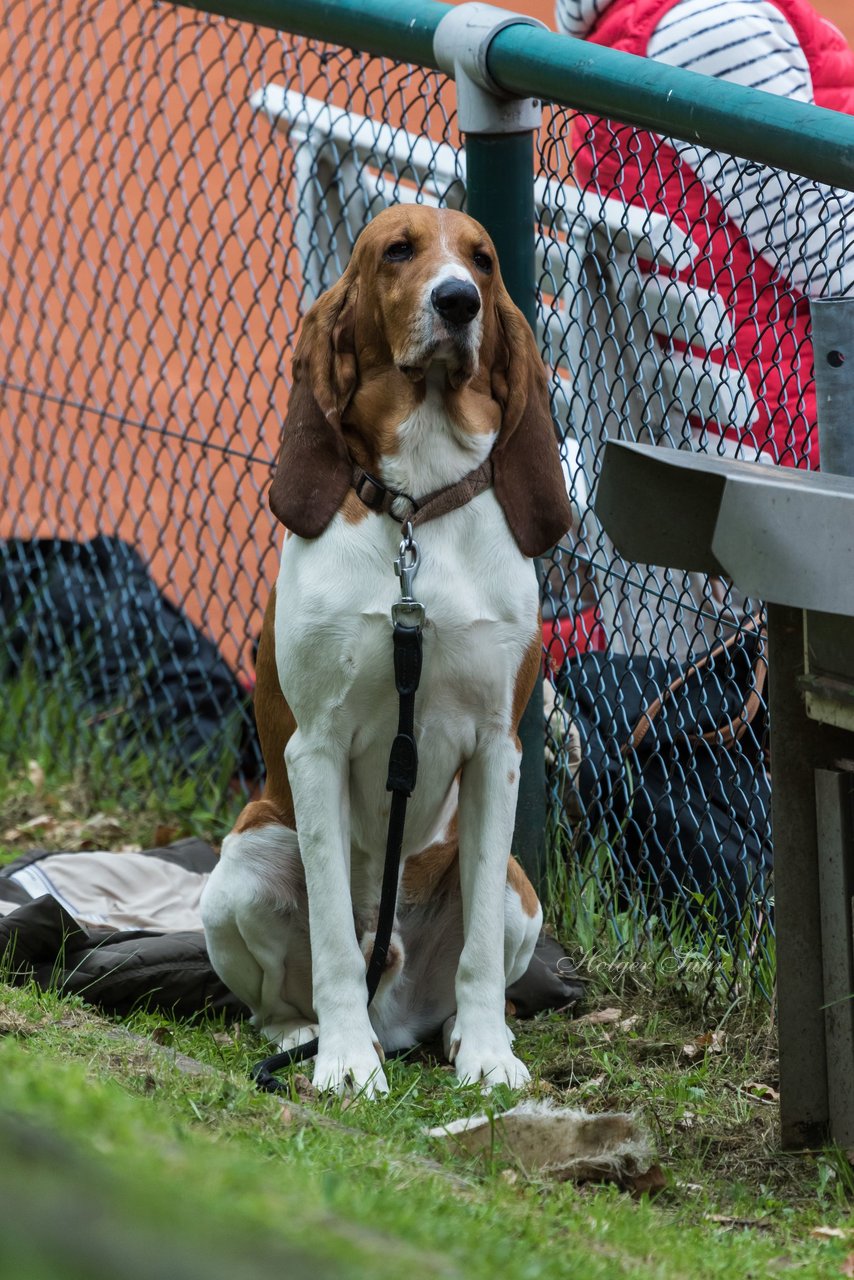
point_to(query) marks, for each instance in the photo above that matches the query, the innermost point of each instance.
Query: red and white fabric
(764, 241)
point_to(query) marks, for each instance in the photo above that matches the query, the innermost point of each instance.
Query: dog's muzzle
(456, 301)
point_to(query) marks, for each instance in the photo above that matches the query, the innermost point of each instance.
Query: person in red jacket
(764, 241)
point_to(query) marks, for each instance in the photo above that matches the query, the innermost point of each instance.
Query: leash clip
(407, 612)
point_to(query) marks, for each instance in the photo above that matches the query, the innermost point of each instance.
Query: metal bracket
(461, 45)
(833, 349)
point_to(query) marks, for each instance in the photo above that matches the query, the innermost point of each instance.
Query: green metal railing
(530, 62)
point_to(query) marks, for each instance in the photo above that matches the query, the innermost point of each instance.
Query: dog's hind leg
(523, 920)
(233, 961)
(254, 913)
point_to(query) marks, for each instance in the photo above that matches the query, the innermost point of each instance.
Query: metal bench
(787, 537)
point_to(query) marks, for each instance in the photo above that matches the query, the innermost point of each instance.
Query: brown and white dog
(417, 367)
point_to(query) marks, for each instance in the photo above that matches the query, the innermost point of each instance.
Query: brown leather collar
(378, 497)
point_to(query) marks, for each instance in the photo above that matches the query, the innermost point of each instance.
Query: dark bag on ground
(673, 775)
(120, 970)
(88, 614)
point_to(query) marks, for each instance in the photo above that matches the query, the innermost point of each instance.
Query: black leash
(408, 624)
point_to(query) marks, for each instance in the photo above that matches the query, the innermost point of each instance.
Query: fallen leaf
(43, 822)
(36, 824)
(509, 1176)
(509, 1009)
(286, 1115)
(759, 1092)
(100, 820)
(162, 1035)
(592, 1083)
(222, 1037)
(600, 1017)
(163, 835)
(649, 1183)
(848, 1266)
(303, 1086)
(626, 1024)
(687, 1120)
(708, 1042)
(829, 1233)
(725, 1220)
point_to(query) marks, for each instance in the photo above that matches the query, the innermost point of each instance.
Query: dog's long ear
(314, 470)
(529, 481)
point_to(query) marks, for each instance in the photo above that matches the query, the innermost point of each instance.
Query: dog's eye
(400, 251)
(483, 262)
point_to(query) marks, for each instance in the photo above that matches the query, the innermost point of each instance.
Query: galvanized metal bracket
(461, 45)
(833, 349)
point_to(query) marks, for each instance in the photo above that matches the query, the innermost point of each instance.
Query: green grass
(91, 790)
(208, 1162)
(113, 1161)
(616, 927)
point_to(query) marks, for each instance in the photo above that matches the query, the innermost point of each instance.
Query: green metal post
(499, 142)
(500, 194)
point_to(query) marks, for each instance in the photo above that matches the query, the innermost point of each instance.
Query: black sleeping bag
(687, 816)
(88, 614)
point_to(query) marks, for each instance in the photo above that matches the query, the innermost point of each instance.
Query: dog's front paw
(487, 1060)
(343, 1069)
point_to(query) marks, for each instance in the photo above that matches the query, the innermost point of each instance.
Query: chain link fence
(166, 224)
(178, 190)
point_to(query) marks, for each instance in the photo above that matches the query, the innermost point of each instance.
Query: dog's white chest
(334, 649)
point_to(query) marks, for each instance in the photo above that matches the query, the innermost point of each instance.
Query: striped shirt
(802, 228)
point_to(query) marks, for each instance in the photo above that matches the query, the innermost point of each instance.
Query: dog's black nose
(456, 301)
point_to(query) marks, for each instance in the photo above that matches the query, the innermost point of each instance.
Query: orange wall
(842, 13)
(150, 287)
(148, 270)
